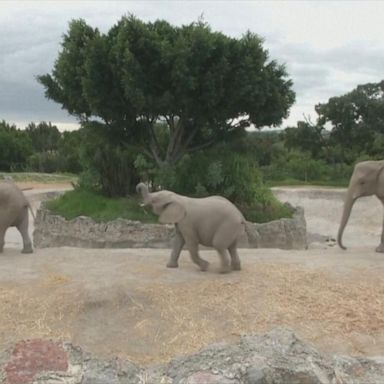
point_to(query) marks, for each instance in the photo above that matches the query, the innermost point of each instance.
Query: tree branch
(154, 146)
(174, 144)
(201, 146)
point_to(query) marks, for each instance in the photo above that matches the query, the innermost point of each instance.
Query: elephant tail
(32, 213)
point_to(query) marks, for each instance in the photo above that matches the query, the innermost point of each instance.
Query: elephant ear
(172, 213)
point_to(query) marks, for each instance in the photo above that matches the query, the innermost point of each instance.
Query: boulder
(277, 357)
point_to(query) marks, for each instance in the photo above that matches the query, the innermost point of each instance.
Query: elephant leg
(380, 248)
(2, 235)
(193, 249)
(235, 260)
(177, 246)
(225, 267)
(22, 226)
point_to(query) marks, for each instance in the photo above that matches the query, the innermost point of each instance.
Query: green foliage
(377, 149)
(109, 166)
(46, 162)
(15, 147)
(306, 137)
(70, 150)
(219, 171)
(87, 203)
(53, 151)
(300, 167)
(44, 136)
(260, 146)
(356, 117)
(195, 81)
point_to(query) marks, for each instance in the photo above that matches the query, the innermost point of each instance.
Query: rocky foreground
(277, 357)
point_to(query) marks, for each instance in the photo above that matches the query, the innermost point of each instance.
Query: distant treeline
(40, 148)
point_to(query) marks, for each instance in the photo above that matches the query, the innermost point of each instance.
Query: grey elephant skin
(14, 213)
(367, 180)
(211, 221)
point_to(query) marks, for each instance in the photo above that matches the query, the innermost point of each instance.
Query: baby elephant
(14, 213)
(211, 221)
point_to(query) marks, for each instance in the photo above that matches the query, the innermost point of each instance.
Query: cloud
(328, 47)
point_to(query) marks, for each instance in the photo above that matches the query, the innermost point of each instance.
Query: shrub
(46, 162)
(219, 171)
(109, 166)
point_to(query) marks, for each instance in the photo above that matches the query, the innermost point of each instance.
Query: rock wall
(54, 231)
(277, 357)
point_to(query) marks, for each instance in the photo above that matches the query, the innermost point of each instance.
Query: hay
(180, 318)
(45, 311)
(311, 302)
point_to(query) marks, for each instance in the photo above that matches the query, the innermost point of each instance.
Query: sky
(328, 47)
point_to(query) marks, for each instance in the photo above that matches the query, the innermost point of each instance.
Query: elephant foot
(27, 250)
(236, 266)
(225, 268)
(172, 264)
(203, 265)
(380, 248)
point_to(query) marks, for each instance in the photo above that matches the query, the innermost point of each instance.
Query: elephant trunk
(344, 219)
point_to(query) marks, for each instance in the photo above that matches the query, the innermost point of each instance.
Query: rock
(55, 231)
(277, 357)
(32, 357)
(283, 233)
(205, 378)
(100, 372)
(255, 376)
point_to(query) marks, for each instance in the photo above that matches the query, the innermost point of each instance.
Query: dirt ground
(125, 302)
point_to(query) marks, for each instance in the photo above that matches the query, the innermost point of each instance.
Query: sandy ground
(125, 302)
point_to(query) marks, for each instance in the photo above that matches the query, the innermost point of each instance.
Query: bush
(109, 166)
(219, 171)
(46, 162)
(299, 167)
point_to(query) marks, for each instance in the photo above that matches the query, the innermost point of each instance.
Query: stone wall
(54, 231)
(277, 357)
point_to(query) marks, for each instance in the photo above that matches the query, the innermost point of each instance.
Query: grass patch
(40, 177)
(80, 202)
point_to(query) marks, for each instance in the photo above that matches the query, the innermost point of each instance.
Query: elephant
(210, 221)
(14, 213)
(367, 179)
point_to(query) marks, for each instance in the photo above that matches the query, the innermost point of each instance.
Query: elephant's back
(10, 194)
(215, 208)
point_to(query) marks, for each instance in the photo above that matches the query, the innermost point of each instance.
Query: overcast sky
(329, 47)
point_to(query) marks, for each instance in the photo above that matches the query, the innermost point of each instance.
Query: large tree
(356, 118)
(202, 85)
